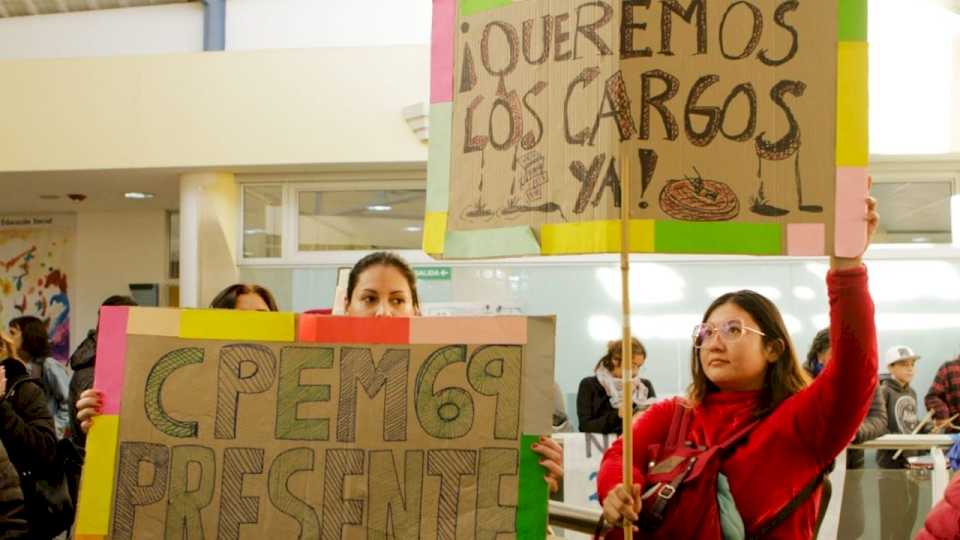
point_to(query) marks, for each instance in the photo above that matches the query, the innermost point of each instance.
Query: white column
(209, 223)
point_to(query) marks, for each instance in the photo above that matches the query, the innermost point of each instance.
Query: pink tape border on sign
(850, 236)
(470, 331)
(111, 356)
(806, 239)
(441, 51)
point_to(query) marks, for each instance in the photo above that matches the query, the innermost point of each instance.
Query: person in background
(82, 363)
(561, 422)
(32, 345)
(26, 431)
(898, 493)
(873, 426)
(13, 518)
(600, 397)
(943, 397)
(245, 297)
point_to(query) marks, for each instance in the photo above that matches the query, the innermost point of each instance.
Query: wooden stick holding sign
(626, 360)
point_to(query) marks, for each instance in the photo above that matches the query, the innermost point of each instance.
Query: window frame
(290, 253)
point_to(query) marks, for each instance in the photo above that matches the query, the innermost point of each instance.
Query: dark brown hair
(36, 342)
(383, 258)
(782, 379)
(227, 299)
(820, 344)
(119, 300)
(614, 356)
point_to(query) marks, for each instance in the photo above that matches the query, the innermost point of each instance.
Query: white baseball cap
(898, 353)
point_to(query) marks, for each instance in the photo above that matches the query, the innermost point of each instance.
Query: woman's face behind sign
(381, 291)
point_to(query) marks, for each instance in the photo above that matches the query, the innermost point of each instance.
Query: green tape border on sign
(719, 238)
(438, 161)
(852, 20)
(533, 493)
(472, 7)
(505, 242)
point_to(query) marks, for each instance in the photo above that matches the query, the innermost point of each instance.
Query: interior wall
(113, 250)
(213, 110)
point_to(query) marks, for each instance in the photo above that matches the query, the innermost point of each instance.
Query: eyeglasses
(730, 331)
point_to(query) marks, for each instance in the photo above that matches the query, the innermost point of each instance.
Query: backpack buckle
(666, 492)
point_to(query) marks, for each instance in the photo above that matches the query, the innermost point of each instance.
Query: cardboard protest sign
(230, 424)
(744, 125)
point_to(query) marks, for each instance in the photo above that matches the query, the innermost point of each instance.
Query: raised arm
(831, 410)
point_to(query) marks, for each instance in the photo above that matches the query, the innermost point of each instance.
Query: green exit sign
(435, 273)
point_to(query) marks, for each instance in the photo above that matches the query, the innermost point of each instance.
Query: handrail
(906, 442)
(574, 518)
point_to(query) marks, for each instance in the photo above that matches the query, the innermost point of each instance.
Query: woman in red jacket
(751, 402)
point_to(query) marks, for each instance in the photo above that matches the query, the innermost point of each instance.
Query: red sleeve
(943, 521)
(935, 399)
(828, 413)
(651, 427)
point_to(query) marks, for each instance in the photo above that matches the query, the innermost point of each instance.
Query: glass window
(360, 220)
(913, 212)
(262, 221)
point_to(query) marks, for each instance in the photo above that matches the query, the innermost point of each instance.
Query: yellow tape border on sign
(99, 478)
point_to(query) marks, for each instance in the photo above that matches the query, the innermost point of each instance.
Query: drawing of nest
(699, 199)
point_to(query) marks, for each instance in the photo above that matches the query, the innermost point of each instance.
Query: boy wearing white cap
(898, 495)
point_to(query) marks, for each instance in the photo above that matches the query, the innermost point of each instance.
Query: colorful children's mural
(34, 254)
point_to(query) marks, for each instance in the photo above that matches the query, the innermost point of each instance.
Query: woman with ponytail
(600, 397)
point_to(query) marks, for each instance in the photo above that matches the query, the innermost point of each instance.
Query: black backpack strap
(794, 503)
(12, 389)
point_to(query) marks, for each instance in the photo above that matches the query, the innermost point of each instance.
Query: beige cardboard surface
(241, 440)
(548, 94)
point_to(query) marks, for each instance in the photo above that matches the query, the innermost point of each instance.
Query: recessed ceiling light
(379, 208)
(138, 195)
(413, 228)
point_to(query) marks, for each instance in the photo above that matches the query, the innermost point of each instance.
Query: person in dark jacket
(82, 362)
(33, 348)
(26, 425)
(898, 493)
(600, 397)
(13, 517)
(873, 426)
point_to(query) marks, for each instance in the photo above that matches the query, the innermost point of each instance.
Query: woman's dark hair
(821, 342)
(227, 299)
(782, 379)
(119, 300)
(36, 342)
(614, 356)
(383, 258)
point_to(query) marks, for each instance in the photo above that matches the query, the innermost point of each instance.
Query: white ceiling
(21, 8)
(21, 192)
